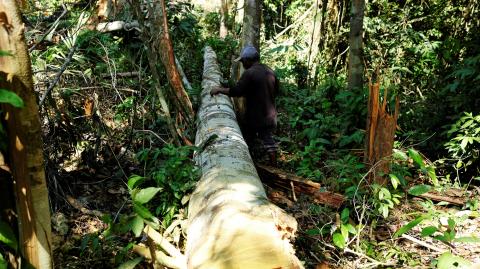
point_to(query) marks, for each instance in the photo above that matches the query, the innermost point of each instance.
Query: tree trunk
(231, 222)
(355, 66)
(168, 59)
(153, 18)
(25, 142)
(250, 36)
(224, 17)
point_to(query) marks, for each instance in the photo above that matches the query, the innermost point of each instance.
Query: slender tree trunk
(25, 142)
(250, 36)
(251, 23)
(224, 17)
(168, 60)
(355, 65)
(231, 222)
(152, 18)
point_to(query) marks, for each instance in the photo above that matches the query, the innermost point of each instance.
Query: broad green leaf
(142, 211)
(427, 231)
(137, 226)
(467, 239)
(409, 226)
(145, 195)
(344, 231)
(350, 228)
(312, 232)
(3, 262)
(338, 240)
(449, 261)
(395, 181)
(451, 223)
(463, 144)
(131, 263)
(134, 181)
(11, 98)
(419, 189)
(432, 175)
(345, 215)
(7, 236)
(416, 157)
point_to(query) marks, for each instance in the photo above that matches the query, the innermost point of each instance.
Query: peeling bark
(231, 222)
(380, 134)
(25, 142)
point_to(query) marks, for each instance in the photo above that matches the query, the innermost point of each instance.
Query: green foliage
(419, 189)
(341, 237)
(464, 144)
(131, 263)
(3, 262)
(11, 98)
(172, 171)
(225, 49)
(383, 200)
(7, 236)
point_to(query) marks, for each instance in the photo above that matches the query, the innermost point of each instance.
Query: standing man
(259, 85)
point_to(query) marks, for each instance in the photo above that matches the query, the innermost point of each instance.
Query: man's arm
(221, 90)
(238, 90)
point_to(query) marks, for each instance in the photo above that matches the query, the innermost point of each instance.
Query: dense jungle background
(118, 83)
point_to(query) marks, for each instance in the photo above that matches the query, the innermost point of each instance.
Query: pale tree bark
(224, 17)
(231, 222)
(355, 59)
(250, 36)
(25, 142)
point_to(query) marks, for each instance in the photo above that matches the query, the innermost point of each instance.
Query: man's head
(249, 56)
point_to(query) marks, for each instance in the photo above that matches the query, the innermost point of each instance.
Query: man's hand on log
(218, 90)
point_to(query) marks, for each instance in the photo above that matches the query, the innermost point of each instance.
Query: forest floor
(79, 224)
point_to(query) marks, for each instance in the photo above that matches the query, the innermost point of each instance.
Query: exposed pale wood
(160, 257)
(282, 179)
(422, 243)
(25, 142)
(105, 27)
(231, 224)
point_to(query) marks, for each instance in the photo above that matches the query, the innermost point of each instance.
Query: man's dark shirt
(259, 86)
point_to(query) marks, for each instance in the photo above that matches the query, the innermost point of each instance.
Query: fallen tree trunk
(231, 222)
(299, 185)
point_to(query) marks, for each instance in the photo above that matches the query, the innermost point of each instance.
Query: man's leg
(269, 145)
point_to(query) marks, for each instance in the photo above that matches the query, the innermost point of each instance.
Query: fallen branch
(122, 74)
(284, 180)
(79, 206)
(441, 198)
(161, 257)
(106, 27)
(421, 243)
(163, 243)
(54, 25)
(52, 84)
